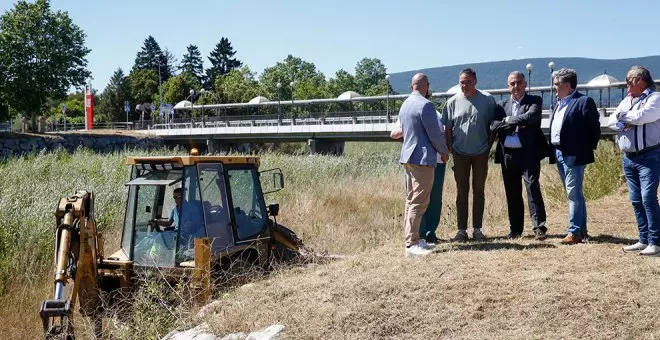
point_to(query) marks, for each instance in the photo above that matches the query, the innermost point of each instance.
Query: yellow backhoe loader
(186, 216)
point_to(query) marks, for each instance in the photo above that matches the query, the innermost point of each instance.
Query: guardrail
(60, 127)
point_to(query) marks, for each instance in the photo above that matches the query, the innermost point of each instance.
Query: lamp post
(201, 93)
(387, 100)
(279, 108)
(160, 86)
(551, 66)
(529, 77)
(192, 100)
(293, 114)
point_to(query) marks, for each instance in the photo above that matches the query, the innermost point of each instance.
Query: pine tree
(222, 60)
(192, 63)
(153, 58)
(113, 97)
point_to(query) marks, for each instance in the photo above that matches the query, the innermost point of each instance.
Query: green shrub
(601, 178)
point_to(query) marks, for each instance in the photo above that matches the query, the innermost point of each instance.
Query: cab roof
(192, 160)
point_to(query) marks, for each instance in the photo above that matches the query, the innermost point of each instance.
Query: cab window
(249, 209)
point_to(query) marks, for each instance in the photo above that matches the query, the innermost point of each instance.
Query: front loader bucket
(286, 244)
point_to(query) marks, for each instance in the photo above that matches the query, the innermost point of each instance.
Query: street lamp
(279, 108)
(160, 87)
(192, 100)
(293, 115)
(529, 77)
(387, 100)
(201, 93)
(551, 66)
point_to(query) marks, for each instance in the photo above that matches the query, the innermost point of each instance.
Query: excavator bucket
(56, 317)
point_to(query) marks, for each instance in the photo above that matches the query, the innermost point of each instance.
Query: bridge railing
(380, 109)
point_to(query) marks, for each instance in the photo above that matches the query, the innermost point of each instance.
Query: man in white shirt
(637, 121)
(521, 147)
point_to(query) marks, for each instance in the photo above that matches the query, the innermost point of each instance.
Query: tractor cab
(174, 200)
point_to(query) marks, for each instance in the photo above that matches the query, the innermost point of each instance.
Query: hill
(492, 75)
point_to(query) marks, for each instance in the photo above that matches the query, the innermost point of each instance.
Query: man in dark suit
(521, 147)
(574, 135)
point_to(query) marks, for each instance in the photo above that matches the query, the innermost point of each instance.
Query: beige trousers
(419, 181)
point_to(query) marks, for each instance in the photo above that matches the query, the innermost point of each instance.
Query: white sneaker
(416, 250)
(650, 250)
(635, 247)
(422, 243)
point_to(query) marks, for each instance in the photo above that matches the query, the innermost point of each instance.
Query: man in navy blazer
(422, 141)
(574, 135)
(521, 147)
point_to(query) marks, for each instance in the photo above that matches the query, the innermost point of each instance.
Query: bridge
(325, 124)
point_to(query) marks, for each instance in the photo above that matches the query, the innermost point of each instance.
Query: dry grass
(495, 289)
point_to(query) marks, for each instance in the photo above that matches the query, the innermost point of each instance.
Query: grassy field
(353, 205)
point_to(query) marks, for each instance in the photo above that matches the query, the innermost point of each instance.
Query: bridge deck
(360, 128)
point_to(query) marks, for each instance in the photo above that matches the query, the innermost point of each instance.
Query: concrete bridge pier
(218, 147)
(325, 147)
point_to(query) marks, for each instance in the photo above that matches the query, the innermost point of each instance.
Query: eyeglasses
(557, 83)
(632, 80)
(176, 197)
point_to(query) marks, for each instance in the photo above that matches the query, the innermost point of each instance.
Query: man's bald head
(420, 82)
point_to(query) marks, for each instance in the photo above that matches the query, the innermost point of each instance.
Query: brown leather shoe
(571, 239)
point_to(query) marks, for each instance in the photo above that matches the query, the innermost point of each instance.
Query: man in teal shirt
(467, 117)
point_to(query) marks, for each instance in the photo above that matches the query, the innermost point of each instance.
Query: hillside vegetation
(492, 75)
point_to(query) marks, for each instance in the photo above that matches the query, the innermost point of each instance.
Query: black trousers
(515, 166)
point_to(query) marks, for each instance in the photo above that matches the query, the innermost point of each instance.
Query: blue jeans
(572, 177)
(643, 174)
(431, 217)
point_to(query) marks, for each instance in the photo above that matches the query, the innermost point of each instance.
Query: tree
(111, 103)
(370, 77)
(178, 88)
(151, 57)
(192, 63)
(143, 85)
(75, 107)
(42, 55)
(239, 86)
(342, 82)
(308, 82)
(222, 60)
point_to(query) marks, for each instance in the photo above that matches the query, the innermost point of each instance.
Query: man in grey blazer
(422, 141)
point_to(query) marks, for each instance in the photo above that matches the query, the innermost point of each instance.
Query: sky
(335, 35)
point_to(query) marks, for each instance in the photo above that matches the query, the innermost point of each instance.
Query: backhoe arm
(75, 266)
